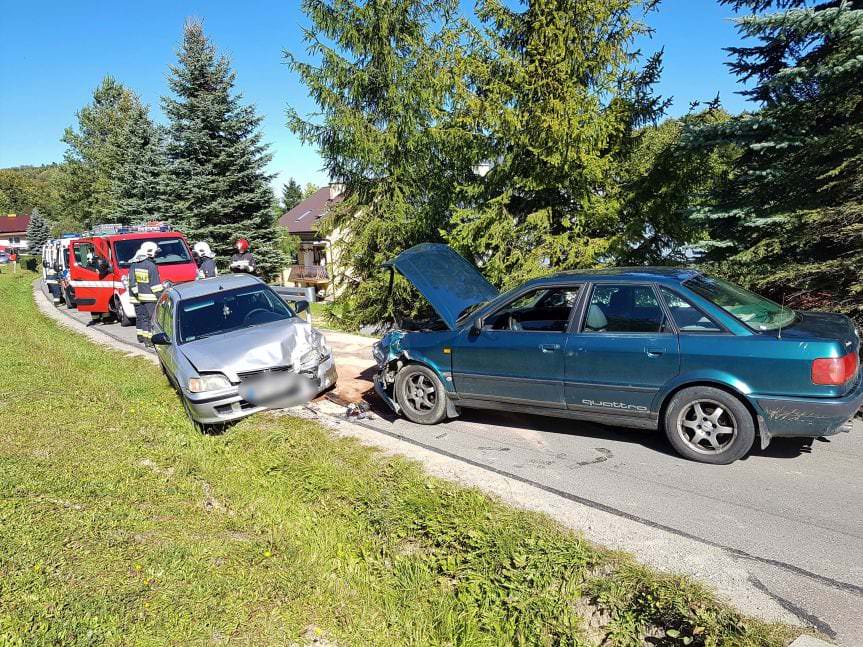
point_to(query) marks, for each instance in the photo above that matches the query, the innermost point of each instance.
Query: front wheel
(420, 394)
(709, 425)
(125, 321)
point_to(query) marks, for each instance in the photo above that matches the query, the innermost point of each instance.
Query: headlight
(213, 382)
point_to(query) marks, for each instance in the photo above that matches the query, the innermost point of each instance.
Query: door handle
(654, 352)
(549, 348)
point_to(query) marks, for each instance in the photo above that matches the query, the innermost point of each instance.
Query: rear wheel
(420, 394)
(709, 425)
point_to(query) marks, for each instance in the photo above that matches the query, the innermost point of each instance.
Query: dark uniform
(246, 260)
(206, 267)
(145, 288)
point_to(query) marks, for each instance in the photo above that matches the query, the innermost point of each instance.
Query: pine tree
(552, 102)
(95, 152)
(139, 184)
(381, 80)
(38, 232)
(217, 188)
(790, 220)
(292, 194)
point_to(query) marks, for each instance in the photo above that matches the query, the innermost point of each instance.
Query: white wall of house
(13, 240)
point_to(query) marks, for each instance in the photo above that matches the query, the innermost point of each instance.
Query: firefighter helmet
(148, 249)
(242, 245)
(203, 249)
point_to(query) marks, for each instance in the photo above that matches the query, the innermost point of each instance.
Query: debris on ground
(359, 411)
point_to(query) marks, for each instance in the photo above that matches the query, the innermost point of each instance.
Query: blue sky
(52, 55)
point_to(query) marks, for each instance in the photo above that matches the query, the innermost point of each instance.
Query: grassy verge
(121, 525)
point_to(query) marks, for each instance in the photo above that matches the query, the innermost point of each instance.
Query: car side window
(164, 317)
(85, 255)
(620, 308)
(541, 310)
(687, 317)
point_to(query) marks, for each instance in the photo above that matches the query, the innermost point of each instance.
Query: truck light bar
(117, 228)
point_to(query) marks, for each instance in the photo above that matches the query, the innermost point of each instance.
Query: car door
(165, 323)
(623, 352)
(93, 288)
(515, 354)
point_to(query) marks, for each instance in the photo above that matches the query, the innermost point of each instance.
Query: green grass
(119, 524)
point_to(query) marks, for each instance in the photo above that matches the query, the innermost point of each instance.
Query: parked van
(99, 266)
(67, 292)
(50, 269)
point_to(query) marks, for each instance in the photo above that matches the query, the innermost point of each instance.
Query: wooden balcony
(314, 274)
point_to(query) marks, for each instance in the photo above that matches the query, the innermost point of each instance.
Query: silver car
(232, 347)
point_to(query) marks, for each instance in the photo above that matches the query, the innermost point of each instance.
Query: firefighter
(145, 287)
(243, 260)
(206, 259)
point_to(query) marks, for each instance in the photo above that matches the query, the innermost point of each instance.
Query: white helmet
(203, 249)
(148, 249)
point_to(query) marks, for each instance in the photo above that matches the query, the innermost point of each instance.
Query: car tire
(420, 394)
(709, 425)
(120, 313)
(200, 427)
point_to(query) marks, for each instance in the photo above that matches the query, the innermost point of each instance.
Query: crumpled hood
(279, 343)
(444, 278)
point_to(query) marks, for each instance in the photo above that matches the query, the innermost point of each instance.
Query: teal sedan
(712, 365)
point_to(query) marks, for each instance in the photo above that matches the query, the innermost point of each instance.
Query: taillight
(835, 371)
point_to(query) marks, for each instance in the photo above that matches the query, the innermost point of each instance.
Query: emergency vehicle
(49, 269)
(67, 292)
(99, 266)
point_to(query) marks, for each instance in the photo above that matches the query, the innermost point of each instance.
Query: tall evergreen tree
(217, 188)
(38, 231)
(139, 184)
(292, 194)
(790, 219)
(380, 78)
(95, 152)
(552, 103)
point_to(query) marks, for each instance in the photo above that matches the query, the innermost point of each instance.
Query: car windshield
(171, 250)
(231, 310)
(470, 310)
(753, 310)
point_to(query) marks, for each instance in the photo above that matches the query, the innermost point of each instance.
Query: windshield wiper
(470, 309)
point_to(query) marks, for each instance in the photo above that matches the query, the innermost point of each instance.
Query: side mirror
(160, 339)
(476, 326)
(102, 267)
(301, 306)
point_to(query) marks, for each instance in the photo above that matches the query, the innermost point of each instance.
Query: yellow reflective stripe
(145, 333)
(142, 275)
(147, 298)
(158, 287)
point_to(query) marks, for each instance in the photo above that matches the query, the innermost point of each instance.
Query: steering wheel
(255, 313)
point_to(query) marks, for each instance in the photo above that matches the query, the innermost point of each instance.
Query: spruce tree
(38, 232)
(139, 184)
(552, 101)
(217, 189)
(292, 194)
(380, 78)
(789, 221)
(95, 152)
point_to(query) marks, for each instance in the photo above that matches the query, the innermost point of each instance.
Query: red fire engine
(99, 265)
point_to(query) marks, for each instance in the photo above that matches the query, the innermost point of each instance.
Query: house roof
(304, 218)
(14, 224)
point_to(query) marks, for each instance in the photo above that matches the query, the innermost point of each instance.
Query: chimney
(336, 189)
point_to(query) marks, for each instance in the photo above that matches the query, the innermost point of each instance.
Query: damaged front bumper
(228, 405)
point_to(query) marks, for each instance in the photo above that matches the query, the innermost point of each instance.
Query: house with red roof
(13, 232)
(315, 257)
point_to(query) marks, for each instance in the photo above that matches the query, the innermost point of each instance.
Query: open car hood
(444, 278)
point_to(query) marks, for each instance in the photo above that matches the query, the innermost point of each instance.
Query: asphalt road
(791, 515)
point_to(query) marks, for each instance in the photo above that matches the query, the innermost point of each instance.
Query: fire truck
(99, 266)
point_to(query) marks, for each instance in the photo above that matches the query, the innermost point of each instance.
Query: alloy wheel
(707, 427)
(420, 393)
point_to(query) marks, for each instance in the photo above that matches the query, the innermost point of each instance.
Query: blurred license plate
(277, 390)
